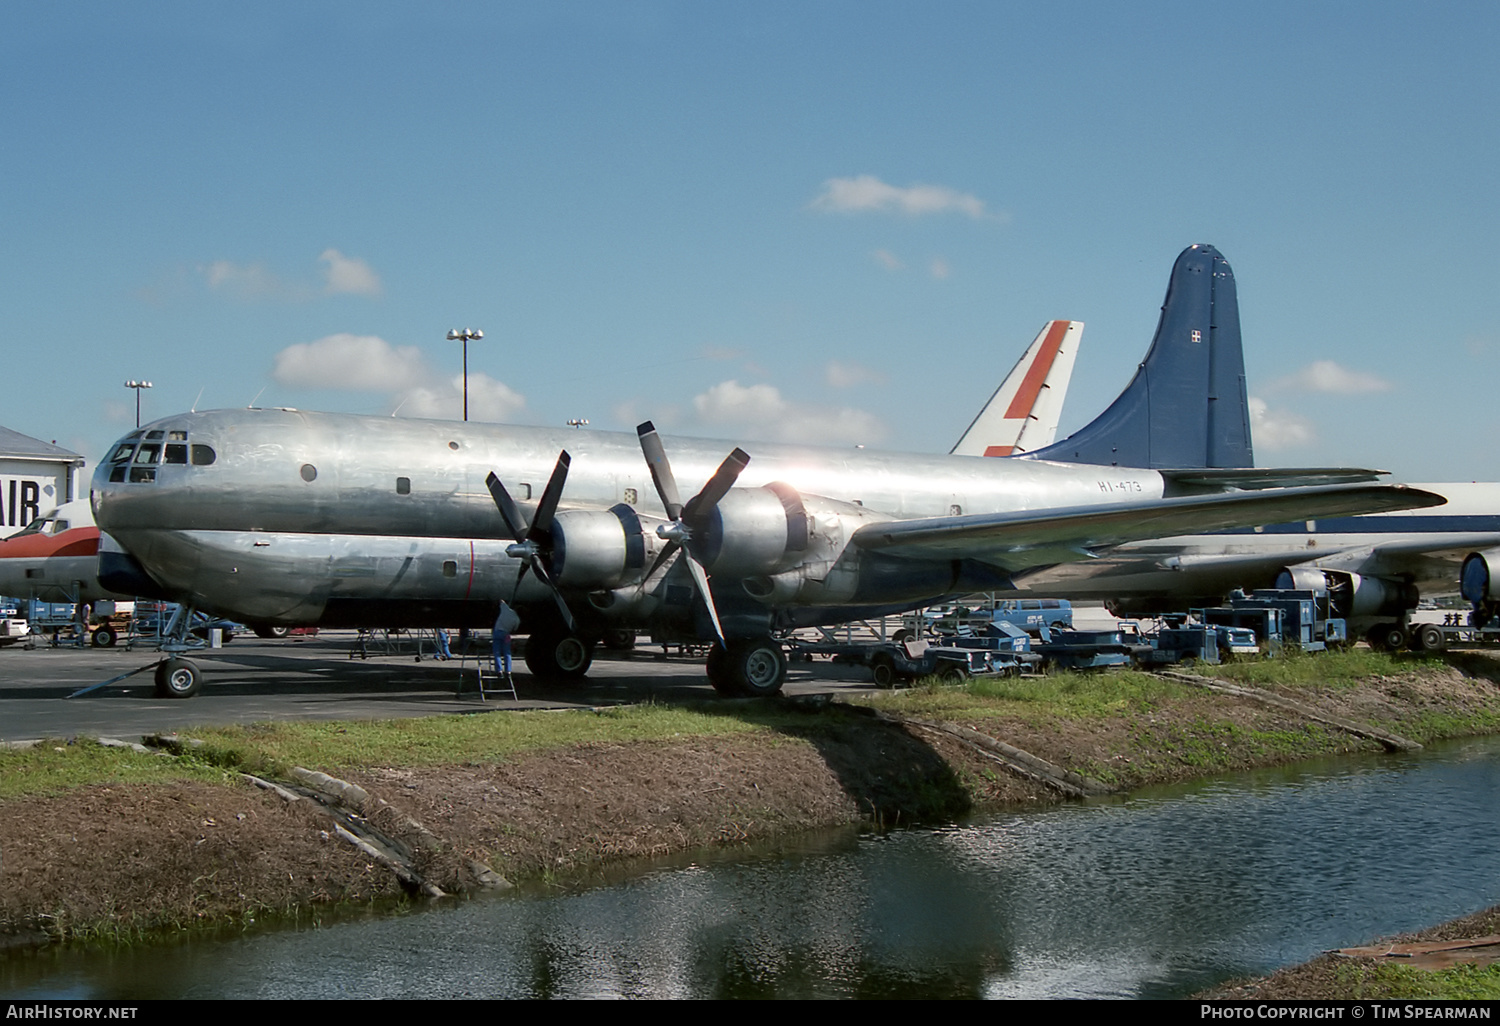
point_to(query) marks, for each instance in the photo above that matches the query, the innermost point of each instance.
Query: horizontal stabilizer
(1208, 479)
(1011, 540)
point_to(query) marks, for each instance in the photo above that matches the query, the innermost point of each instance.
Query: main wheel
(558, 655)
(1432, 638)
(178, 678)
(104, 637)
(757, 666)
(1395, 638)
(264, 631)
(883, 670)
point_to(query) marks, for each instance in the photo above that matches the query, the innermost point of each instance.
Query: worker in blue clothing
(506, 621)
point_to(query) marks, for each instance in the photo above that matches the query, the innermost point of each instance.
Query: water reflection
(1158, 895)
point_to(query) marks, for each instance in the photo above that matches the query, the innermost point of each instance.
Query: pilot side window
(176, 453)
(203, 455)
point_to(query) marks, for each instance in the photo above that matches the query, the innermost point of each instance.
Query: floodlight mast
(137, 385)
(465, 334)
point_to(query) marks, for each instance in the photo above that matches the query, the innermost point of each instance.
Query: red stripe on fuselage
(80, 541)
(1036, 374)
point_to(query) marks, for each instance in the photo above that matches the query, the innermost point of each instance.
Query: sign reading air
(21, 500)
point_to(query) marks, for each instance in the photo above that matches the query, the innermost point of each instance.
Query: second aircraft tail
(1186, 407)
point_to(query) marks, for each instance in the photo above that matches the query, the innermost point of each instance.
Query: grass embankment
(109, 838)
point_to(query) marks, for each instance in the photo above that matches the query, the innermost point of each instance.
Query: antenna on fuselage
(194, 407)
(251, 405)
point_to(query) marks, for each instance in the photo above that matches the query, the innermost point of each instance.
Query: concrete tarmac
(252, 680)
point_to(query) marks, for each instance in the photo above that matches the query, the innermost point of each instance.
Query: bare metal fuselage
(306, 518)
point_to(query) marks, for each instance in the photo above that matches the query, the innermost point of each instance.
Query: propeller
(534, 541)
(685, 518)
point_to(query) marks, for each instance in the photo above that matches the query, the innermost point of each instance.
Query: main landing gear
(749, 667)
(558, 654)
(178, 678)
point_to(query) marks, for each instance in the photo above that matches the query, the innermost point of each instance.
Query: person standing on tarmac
(506, 621)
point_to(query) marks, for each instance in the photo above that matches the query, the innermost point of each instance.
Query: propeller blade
(700, 577)
(542, 525)
(718, 486)
(562, 605)
(509, 511)
(661, 470)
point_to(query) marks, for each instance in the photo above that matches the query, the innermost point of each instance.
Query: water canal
(1156, 895)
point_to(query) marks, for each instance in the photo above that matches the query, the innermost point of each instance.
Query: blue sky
(825, 221)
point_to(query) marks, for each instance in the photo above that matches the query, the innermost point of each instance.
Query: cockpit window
(148, 453)
(122, 452)
(37, 526)
(176, 453)
(153, 434)
(177, 436)
(203, 455)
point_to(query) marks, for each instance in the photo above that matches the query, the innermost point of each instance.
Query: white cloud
(245, 281)
(1330, 377)
(760, 411)
(885, 258)
(348, 275)
(354, 362)
(846, 375)
(341, 276)
(940, 268)
(1277, 429)
(489, 400)
(866, 192)
(368, 363)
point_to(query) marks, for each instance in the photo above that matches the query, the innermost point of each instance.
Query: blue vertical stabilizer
(1186, 405)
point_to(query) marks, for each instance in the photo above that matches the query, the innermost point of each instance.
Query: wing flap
(1012, 540)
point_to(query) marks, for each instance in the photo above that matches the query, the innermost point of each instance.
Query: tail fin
(1022, 415)
(1186, 405)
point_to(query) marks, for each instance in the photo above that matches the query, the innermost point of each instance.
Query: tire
(883, 670)
(558, 656)
(757, 666)
(1394, 638)
(619, 641)
(952, 673)
(1432, 638)
(104, 637)
(178, 678)
(265, 631)
(902, 636)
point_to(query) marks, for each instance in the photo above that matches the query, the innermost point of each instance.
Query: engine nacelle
(600, 549)
(754, 531)
(1351, 595)
(1478, 581)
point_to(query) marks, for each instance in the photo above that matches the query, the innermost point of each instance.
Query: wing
(1023, 413)
(1015, 541)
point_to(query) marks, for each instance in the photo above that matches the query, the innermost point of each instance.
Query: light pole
(578, 422)
(137, 385)
(465, 334)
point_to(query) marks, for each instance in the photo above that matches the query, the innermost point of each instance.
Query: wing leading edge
(1015, 541)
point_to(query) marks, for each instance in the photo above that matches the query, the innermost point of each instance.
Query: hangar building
(35, 476)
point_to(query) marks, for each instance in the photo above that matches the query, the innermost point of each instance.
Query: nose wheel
(178, 678)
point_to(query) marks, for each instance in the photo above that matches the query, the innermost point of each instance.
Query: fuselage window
(309, 472)
(403, 486)
(203, 455)
(176, 453)
(450, 568)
